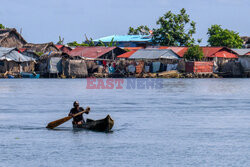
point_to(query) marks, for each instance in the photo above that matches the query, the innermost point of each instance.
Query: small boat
(29, 75)
(10, 76)
(102, 125)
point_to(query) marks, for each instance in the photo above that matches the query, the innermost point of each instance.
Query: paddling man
(78, 120)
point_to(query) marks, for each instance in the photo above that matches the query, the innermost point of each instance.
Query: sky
(44, 21)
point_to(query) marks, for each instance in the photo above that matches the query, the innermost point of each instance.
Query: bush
(194, 53)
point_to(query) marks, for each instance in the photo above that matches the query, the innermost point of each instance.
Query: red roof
(127, 54)
(90, 52)
(59, 46)
(248, 54)
(219, 52)
(208, 51)
(225, 54)
(22, 49)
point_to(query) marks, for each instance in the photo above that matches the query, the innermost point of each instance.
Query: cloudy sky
(44, 20)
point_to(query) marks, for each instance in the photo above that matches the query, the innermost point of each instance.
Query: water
(190, 122)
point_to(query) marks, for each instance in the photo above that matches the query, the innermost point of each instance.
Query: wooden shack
(10, 38)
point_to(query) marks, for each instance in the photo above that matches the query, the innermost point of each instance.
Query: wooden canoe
(102, 125)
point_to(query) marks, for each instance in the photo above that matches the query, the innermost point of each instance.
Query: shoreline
(161, 75)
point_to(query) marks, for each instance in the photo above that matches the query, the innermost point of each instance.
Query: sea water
(186, 122)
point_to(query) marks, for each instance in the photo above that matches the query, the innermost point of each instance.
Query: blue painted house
(127, 40)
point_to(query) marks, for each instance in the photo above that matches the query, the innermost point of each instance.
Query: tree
(2, 26)
(75, 43)
(141, 30)
(86, 43)
(61, 40)
(175, 30)
(223, 37)
(194, 53)
(89, 42)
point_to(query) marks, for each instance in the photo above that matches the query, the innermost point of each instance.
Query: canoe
(102, 125)
(29, 75)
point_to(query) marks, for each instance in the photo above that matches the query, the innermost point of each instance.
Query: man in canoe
(78, 120)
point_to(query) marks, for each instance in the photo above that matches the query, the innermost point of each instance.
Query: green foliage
(89, 42)
(61, 40)
(199, 40)
(141, 30)
(2, 26)
(86, 43)
(75, 43)
(224, 37)
(175, 30)
(194, 53)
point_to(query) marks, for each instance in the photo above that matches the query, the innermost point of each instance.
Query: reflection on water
(190, 122)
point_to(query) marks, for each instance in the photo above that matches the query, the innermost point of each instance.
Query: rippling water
(189, 122)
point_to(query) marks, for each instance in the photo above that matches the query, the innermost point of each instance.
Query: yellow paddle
(58, 122)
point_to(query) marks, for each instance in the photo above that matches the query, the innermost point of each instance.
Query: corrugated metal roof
(90, 52)
(154, 54)
(127, 54)
(208, 51)
(225, 54)
(180, 51)
(11, 54)
(219, 52)
(241, 52)
(125, 38)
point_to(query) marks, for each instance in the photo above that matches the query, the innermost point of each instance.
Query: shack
(60, 64)
(75, 68)
(10, 38)
(244, 59)
(156, 60)
(50, 64)
(11, 61)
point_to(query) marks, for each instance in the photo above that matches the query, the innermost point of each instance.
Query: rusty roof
(219, 52)
(90, 52)
(127, 54)
(207, 51)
